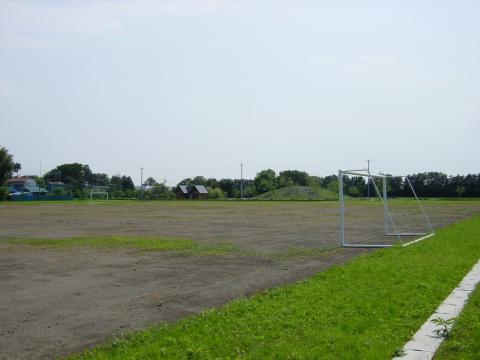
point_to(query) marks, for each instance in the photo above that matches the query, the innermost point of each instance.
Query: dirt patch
(55, 302)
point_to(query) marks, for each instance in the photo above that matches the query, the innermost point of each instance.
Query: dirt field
(54, 302)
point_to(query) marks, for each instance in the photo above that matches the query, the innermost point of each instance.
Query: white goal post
(387, 218)
(98, 190)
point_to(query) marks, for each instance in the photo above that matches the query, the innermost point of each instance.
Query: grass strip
(147, 243)
(366, 309)
(179, 245)
(463, 342)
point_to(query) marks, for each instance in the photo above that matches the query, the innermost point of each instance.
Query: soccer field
(74, 274)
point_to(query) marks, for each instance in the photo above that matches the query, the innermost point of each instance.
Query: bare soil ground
(54, 302)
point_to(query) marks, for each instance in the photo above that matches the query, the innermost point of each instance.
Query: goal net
(371, 217)
(99, 192)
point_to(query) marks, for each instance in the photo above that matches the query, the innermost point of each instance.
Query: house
(24, 185)
(26, 189)
(198, 192)
(55, 185)
(191, 192)
(181, 192)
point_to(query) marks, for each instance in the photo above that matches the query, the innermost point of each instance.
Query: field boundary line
(417, 240)
(428, 338)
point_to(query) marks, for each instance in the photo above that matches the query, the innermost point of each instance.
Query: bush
(216, 193)
(58, 192)
(80, 194)
(117, 194)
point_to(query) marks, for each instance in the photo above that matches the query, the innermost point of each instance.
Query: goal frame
(387, 218)
(98, 190)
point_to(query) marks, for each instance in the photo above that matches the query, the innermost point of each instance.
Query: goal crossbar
(387, 218)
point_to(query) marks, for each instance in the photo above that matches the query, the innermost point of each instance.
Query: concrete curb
(425, 342)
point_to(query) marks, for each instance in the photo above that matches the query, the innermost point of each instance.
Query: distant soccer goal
(396, 221)
(99, 192)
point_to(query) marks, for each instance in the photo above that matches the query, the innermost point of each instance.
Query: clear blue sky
(187, 88)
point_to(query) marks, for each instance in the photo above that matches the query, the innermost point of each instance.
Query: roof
(56, 183)
(18, 180)
(201, 189)
(183, 188)
(186, 189)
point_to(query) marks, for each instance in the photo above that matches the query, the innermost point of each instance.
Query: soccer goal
(99, 191)
(390, 229)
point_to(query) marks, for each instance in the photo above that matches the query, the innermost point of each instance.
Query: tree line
(426, 184)
(79, 178)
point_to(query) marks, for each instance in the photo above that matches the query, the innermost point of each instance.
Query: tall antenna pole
(241, 181)
(141, 183)
(368, 181)
(40, 168)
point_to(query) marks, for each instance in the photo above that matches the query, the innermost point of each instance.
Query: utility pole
(368, 181)
(241, 181)
(141, 183)
(40, 168)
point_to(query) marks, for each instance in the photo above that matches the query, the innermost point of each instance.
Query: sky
(184, 88)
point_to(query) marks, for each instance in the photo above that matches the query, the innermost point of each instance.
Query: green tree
(7, 166)
(150, 182)
(460, 191)
(292, 177)
(284, 182)
(199, 180)
(127, 183)
(227, 186)
(121, 183)
(187, 181)
(265, 181)
(160, 191)
(212, 182)
(354, 186)
(116, 183)
(16, 168)
(249, 192)
(99, 179)
(74, 175)
(315, 181)
(333, 186)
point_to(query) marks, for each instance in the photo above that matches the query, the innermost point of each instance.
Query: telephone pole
(368, 181)
(141, 183)
(241, 181)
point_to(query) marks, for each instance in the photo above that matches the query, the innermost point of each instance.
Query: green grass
(299, 193)
(148, 243)
(366, 309)
(464, 339)
(179, 245)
